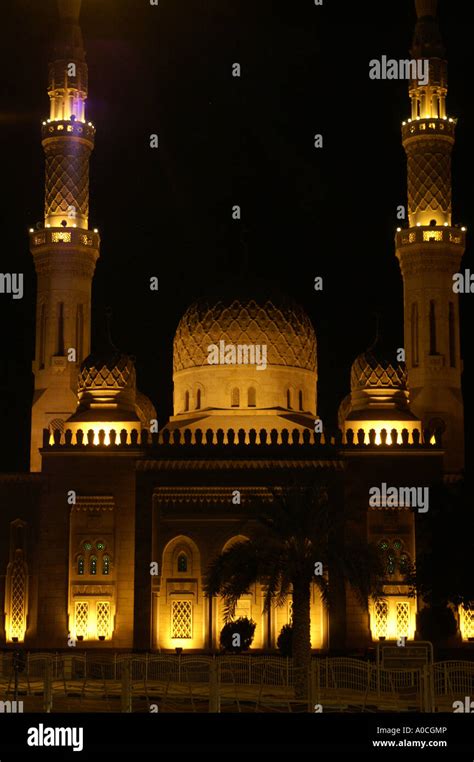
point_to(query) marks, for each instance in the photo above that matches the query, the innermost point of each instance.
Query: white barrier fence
(151, 682)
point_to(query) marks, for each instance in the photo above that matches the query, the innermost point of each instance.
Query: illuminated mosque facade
(108, 539)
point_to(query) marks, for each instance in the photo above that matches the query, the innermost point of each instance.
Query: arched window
(60, 346)
(182, 562)
(235, 398)
(42, 341)
(186, 401)
(80, 565)
(432, 328)
(300, 399)
(106, 564)
(452, 336)
(93, 565)
(288, 399)
(396, 559)
(79, 331)
(252, 397)
(198, 399)
(414, 334)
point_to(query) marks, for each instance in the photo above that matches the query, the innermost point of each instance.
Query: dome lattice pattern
(105, 374)
(371, 372)
(284, 328)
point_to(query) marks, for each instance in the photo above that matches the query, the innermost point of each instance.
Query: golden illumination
(92, 619)
(116, 426)
(432, 235)
(393, 618)
(466, 622)
(378, 426)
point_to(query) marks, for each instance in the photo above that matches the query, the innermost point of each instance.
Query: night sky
(226, 141)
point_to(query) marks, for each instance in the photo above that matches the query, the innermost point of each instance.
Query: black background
(226, 141)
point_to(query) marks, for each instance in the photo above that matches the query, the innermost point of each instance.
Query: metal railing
(241, 682)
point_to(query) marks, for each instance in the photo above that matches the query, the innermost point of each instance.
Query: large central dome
(280, 324)
(244, 362)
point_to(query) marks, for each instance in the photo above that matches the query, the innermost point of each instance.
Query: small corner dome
(107, 368)
(377, 369)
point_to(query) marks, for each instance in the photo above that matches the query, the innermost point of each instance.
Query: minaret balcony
(429, 127)
(68, 128)
(65, 238)
(431, 235)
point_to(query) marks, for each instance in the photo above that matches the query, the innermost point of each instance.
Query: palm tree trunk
(301, 637)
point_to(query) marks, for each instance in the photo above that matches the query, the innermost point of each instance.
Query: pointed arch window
(198, 399)
(93, 565)
(414, 334)
(16, 598)
(186, 401)
(252, 397)
(79, 332)
(42, 343)
(106, 564)
(300, 399)
(235, 397)
(452, 336)
(80, 565)
(60, 346)
(182, 562)
(288, 399)
(432, 328)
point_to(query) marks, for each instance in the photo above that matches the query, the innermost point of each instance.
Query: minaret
(430, 249)
(65, 251)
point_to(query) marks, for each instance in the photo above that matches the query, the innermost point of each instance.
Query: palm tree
(295, 533)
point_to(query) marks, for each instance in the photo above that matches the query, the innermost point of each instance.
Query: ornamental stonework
(287, 332)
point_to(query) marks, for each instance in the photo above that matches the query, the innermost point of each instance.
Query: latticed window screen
(81, 617)
(181, 619)
(403, 619)
(467, 622)
(381, 618)
(103, 618)
(17, 598)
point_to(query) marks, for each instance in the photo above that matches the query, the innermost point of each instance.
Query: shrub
(285, 640)
(237, 636)
(437, 623)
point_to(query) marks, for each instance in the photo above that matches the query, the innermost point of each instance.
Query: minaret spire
(426, 8)
(65, 251)
(69, 10)
(430, 250)
(68, 72)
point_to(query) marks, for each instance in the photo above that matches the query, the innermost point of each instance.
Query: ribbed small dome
(279, 323)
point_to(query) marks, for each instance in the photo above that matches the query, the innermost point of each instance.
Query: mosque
(108, 538)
